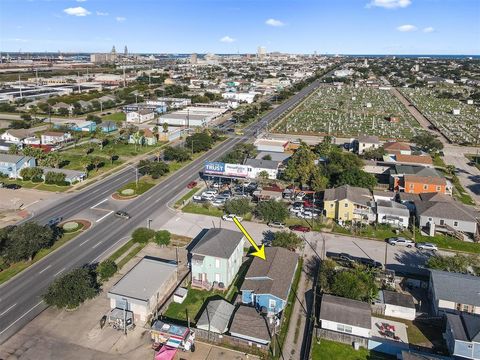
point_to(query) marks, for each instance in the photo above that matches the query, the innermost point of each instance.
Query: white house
(345, 316)
(271, 145)
(256, 166)
(54, 137)
(15, 136)
(398, 305)
(393, 213)
(364, 143)
(140, 116)
(241, 97)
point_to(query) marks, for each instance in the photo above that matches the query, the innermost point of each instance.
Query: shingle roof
(345, 311)
(273, 275)
(13, 159)
(455, 287)
(370, 139)
(392, 208)
(262, 164)
(248, 322)
(465, 327)
(417, 159)
(434, 180)
(218, 313)
(415, 170)
(218, 242)
(355, 194)
(396, 146)
(453, 210)
(399, 299)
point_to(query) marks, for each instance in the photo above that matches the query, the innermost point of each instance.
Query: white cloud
(77, 11)
(120, 18)
(17, 40)
(100, 13)
(274, 22)
(428, 29)
(227, 39)
(389, 4)
(81, 0)
(407, 28)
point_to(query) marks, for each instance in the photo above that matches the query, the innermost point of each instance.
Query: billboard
(214, 167)
(220, 168)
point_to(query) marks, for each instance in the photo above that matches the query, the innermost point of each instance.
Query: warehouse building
(193, 116)
(144, 287)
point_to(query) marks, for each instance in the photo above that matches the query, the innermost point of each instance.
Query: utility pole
(386, 254)
(208, 319)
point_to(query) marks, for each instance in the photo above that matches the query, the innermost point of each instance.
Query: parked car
(342, 258)
(300, 195)
(301, 228)
(370, 263)
(230, 217)
(122, 214)
(276, 224)
(55, 221)
(400, 241)
(218, 202)
(208, 197)
(295, 210)
(197, 198)
(426, 246)
(192, 184)
(13, 186)
(1, 184)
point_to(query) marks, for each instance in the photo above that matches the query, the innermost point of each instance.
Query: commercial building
(269, 145)
(258, 166)
(144, 287)
(193, 116)
(140, 116)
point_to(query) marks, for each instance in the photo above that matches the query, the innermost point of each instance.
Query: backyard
(350, 111)
(326, 350)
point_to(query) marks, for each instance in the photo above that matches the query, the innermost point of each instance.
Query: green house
(216, 258)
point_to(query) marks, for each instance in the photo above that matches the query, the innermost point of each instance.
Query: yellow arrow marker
(258, 252)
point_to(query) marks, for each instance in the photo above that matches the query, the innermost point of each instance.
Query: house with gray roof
(144, 287)
(462, 335)
(344, 315)
(453, 292)
(11, 165)
(216, 258)
(249, 325)
(216, 316)
(256, 166)
(347, 203)
(366, 142)
(446, 215)
(268, 282)
(392, 213)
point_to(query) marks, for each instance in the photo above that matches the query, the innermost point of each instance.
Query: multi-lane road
(20, 298)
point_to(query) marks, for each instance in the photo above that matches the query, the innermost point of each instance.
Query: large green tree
(271, 211)
(72, 289)
(286, 239)
(427, 142)
(199, 142)
(25, 240)
(239, 206)
(301, 165)
(356, 177)
(356, 284)
(176, 154)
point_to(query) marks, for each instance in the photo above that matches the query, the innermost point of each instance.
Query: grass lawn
(130, 255)
(118, 116)
(35, 185)
(16, 268)
(192, 304)
(122, 250)
(139, 189)
(327, 350)
(202, 210)
(187, 196)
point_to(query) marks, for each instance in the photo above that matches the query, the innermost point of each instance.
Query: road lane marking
(48, 267)
(59, 272)
(101, 202)
(94, 246)
(99, 256)
(84, 242)
(103, 217)
(10, 308)
(21, 317)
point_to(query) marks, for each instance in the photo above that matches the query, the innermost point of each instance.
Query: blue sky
(230, 26)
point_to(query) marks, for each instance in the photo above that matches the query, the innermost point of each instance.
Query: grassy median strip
(187, 196)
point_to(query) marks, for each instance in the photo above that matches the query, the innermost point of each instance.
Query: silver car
(426, 246)
(400, 241)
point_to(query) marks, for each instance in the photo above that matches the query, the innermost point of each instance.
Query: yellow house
(347, 203)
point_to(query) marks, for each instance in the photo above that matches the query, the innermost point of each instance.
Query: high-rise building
(114, 52)
(125, 51)
(261, 52)
(193, 58)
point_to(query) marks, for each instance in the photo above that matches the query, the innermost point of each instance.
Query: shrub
(272, 210)
(55, 178)
(162, 237)
(70, 226)
(32, 173)
(142, 235)
(237, 206)
(106, 269)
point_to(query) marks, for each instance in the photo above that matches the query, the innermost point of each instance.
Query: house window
(346, 204)
(455, 223)
(340, 328)
(429, 219)
(348, 329)
(217, 263)
(217, 277)
(438, 188)
(331, 205)
(272, 303)
(442, 222)
(344, 328)
(411, 186)
(425, 187)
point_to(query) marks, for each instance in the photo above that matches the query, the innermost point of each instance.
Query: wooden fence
(341, 337)
(230, 342)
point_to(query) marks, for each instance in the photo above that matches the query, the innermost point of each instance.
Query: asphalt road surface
(20, 298)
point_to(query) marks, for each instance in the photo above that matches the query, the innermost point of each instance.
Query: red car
(192, 184)
(300, 228)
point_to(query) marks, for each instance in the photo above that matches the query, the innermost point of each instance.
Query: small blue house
(268, 282)
(462, 335)
(108, 126)
(10, 165)
(85, 126)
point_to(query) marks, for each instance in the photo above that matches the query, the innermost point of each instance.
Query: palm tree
(165, 127)
(111, 153)
(55, 159)
(137, 138)
(96, 161)
(155, 131)
(86, 163)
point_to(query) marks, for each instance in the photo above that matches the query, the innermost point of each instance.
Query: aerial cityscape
(226, 179)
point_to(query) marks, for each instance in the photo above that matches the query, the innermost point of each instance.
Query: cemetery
(351, 111)
(458, 121)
